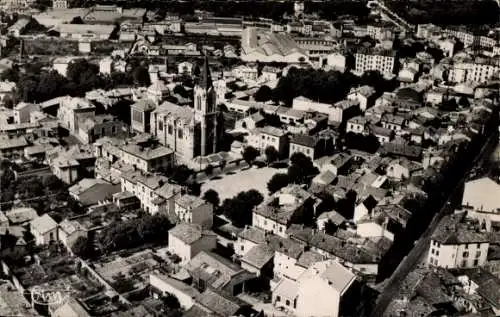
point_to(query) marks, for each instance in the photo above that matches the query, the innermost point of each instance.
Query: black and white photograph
(249, 158)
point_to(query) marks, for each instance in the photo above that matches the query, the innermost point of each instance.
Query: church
(191, 132)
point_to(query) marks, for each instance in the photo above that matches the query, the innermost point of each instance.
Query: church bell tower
(205, 110)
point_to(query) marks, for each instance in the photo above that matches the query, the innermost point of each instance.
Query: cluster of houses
(306, 257)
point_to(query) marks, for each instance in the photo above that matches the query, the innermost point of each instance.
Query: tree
(135, 232)
(239, 208)
(180, 174)
(171, 302)
(77, 20)
(141, 76)
(271, 154)
(53, 183)
(211, 196)
(264, 93)
(209, 170)
(368, 143)
(82, 248)
(8, 102)
(277, 182)
(449, 105)
(464, 102)
(10, 74)
(301, 168)
(250, 154)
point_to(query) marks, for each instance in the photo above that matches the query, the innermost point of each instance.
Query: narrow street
(419, 251)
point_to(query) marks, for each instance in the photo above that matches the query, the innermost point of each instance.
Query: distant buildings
(270, 47)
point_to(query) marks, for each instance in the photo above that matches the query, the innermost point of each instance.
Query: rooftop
(21, 215)
(455, 229)
(259, 255)
(482, 194)
(220, 303)
(189, 233)
(282, 206)
(147, 153)
(189, 201)
(273, 131)
(218, 271)
(99, 29)
(186, 114)
(43, 224)
(334, 273)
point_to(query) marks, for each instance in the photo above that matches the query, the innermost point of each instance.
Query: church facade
(190, 132)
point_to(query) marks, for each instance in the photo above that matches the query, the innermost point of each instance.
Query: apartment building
(375, 59)
(262, 138)
(458, 243)
(477, 71)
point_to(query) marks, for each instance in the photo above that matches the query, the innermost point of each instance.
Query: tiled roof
(221, 304)
(259, 255)
(453, 229)
(43, 224)
(304, 140)
(351, 252)
(189, 233)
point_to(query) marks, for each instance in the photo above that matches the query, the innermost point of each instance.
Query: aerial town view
(249, 158)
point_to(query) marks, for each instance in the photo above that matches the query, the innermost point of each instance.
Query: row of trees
(147, 229)
(460, 13)
(37, 84)
(320, 85)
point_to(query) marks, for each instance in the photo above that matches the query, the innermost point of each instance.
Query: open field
(229, 186)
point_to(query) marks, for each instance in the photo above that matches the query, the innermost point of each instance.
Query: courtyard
(229, 185)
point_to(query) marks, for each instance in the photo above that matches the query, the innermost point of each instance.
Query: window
(278, 298)
(464, 263)
(287, 302)
(113, 129)
(242, 248)
(179, 134)
(478, 254)
(170, 129)
(432, 251)
(160, 125)
(465, 254)
(476, 262)
(466, 246)
(437, 252)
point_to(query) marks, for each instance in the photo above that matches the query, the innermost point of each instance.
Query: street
(419, 251)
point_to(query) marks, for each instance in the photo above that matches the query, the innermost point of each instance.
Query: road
(419, 251)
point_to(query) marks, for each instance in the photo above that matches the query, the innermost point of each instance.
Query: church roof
(168, 108)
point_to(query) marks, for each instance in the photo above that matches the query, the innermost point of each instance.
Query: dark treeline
(437, 12)
(422, 11)
(251, 9)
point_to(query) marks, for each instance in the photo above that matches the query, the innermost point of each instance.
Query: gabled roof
(219, 303)
(43, 224)
(189, 233)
